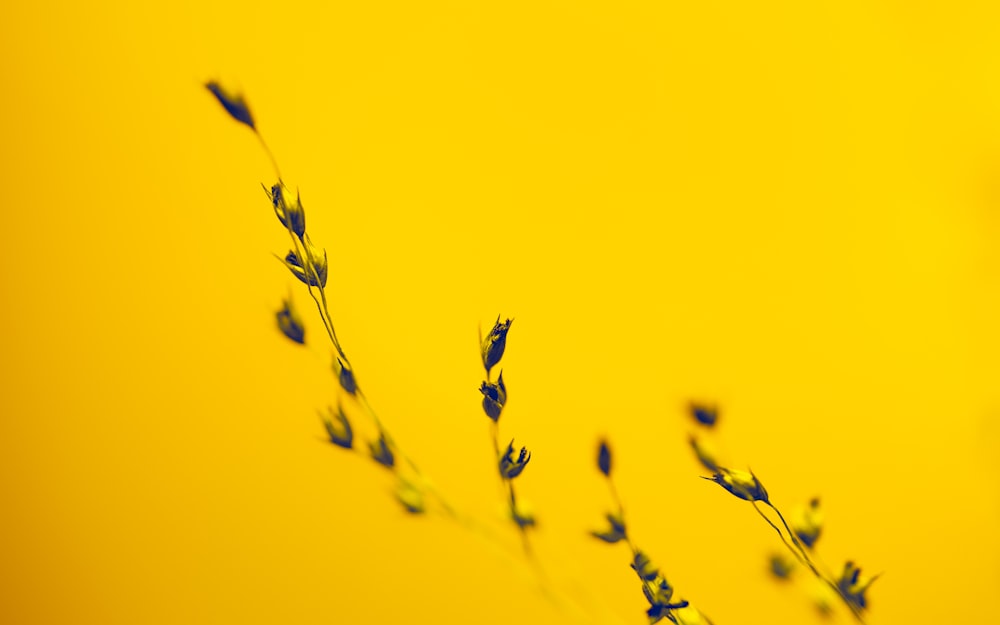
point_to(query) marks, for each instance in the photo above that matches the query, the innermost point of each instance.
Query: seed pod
(494, 397)
(604, 459)
(511, 468)
(741, 484)
(338, 428)
(495, 343)
(290, 323)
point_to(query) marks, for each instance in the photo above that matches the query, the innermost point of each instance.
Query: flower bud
(495, 343)
(345, 375)
(604, 459)
(338, 428)
(511, 468)
(643, 567)
(616, 531)
(659, 592)
(853, 587)
(741, 484)
(704, 414)
(290, 323)
(494, 397)
(807, 523)
(291, 217)
(317, 273)
(781, 566)
(234, 104)
(380, 451)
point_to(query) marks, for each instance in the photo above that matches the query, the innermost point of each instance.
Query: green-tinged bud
(291, 217)
(704, 414)
(290, 323)
(345, 375)
(522, 514)
(511, 468)
(494, 397)
(411, 497)
(234, 104)
(604, 459)
(338, 428)
(807, 522)
(643, 567)
(317, 274)
(853, 587)
(495, 343)
(380, 451)
(781, 566)
(740, 483)
(616, 529)
(705, 452)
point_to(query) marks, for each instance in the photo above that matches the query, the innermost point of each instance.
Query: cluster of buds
(659, 593)
(491, 351)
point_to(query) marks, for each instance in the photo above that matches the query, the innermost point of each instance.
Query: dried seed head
(616, 531)
(511, 468)
(853, 587)
(380, 451)
(290, 323)
(291, 217)
(705, 452)
(317, 273)
(658, 591)
(604, 459)
(494, 397)
(704, 414)
(234, 104)
(741, 484)
(643, 567)
(807, 522)
(338, 428)
(495, 343)
(345, 375)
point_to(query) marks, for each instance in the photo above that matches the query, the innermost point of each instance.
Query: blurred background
(792, 211)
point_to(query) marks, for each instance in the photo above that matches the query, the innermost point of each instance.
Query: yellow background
(789, 208)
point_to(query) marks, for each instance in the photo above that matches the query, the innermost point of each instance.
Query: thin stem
(274, 162)
(509, 486)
